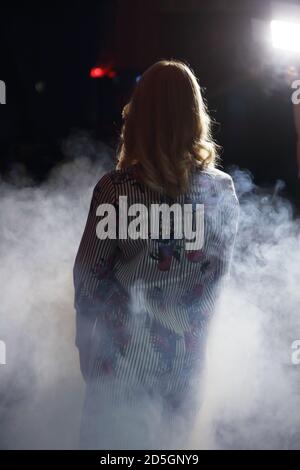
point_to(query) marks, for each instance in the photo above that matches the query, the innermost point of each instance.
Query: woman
(143, 304)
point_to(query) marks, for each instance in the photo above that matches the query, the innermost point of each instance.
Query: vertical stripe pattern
(143, 306)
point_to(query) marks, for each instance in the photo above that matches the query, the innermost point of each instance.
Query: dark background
(47, 50)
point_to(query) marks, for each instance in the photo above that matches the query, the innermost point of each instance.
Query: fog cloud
(251, 388)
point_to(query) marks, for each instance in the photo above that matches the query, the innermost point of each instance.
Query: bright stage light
(97, 72)
(285, 35)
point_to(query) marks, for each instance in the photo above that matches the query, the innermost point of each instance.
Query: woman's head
(166, 128)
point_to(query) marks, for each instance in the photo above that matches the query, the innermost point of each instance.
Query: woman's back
(174, 286)
(157, 242)
(161, 275)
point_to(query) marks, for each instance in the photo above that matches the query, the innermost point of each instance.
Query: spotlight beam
(285, 35)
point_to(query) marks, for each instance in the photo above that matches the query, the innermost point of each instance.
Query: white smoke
(251, 389)
(41, 389)
(252, 394)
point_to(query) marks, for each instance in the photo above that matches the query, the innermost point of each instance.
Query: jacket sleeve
(229, 222)
(94, 260)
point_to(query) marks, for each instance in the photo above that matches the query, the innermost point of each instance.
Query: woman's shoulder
(117, 182)
(214, 174)
(119, 176)
(217, 183)
(115, 177)
(214, 178)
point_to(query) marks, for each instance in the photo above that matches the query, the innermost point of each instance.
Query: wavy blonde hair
(166, 129)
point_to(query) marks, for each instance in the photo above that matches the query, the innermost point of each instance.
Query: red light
(97, 72)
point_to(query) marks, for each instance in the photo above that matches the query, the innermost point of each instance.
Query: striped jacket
(142, 305)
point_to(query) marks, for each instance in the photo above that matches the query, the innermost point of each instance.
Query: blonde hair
(166, 128)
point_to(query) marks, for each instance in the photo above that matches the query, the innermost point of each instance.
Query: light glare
(285, 35)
